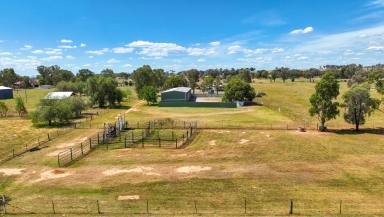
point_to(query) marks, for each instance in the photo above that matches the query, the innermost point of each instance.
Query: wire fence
(32, 145)
(38, 142)
(152, 137)
(78, 151)
(134, 205)
(118, 135)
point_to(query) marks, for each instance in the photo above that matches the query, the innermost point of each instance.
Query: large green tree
(84, 74)
(175, 81)
(323, 101)
(245, 75)
(8, 77)
(358, 105)
(103, 90)
(149, 94)
(238, 90)
(193, 77)
(143, 76)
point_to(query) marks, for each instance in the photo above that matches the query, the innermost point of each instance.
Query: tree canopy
(323, 101)
(238, 90)
(358, 105)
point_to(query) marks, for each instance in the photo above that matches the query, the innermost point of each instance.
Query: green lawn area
(291, 99)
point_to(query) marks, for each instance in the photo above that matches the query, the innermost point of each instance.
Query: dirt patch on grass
(52, 174)
(192, 169)
(128, 197)
(141, 170)
(243, 141)
(72, 143)
(212, 142)
(11, 171)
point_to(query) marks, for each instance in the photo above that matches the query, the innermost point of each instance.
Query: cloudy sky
(183, 34)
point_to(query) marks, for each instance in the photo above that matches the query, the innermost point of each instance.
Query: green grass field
(217, 172)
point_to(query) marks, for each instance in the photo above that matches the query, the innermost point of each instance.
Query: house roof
(5, 88)
(178, 89)
(58, 95)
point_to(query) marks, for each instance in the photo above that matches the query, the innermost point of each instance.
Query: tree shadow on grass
(378, 131)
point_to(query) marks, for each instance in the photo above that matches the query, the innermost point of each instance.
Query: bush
(3, 109)
(20, 107)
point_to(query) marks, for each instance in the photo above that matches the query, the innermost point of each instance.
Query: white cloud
(5, 53)
(376, 48)
(195, 51)
(306, 30)
(70, 57)
(83, 45)
(377, 3)
(37, 52)
(66, 41)
(215, 43)
(155, 49)
(234, 49)
(200, 60)
(50, 58)
(87, 65)
(121, 50)
(127, 65)
(98, 52)
(277, 50)
(113, 61)
(90, 57)
(67, 46)
(53, 51)
(26, 47)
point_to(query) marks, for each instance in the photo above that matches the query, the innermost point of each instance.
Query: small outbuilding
(59, 95)
(177, 94)
(6, 92)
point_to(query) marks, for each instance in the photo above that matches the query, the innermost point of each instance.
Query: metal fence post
(53, 207)
(71, 154)
(291, 208)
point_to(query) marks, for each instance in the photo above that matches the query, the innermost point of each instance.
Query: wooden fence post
(98, 207)
(49, 139)
(245, 205)
(147, 207)
(195, 206)
(98, 139)
(125, 142)
(291, 208)
(13, 153)
(340, 206)
(82, 151)
(53, 207)
(58, 160)
(71, 154)
(90, 142)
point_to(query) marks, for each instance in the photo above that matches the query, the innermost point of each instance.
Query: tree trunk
(357, 126)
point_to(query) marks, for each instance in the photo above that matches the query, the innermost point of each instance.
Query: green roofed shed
(177, 94)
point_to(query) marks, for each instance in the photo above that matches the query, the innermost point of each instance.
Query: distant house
(6, 92)
(59, 95)
(177, 94)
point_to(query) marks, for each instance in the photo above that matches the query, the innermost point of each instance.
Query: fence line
(77, 152)
(194, 206)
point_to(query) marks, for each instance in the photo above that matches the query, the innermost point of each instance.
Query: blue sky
(182, 34)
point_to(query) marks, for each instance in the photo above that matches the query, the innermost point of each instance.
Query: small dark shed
(6, 92)
(177, 94)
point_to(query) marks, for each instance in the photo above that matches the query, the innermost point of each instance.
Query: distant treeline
(52, 75)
